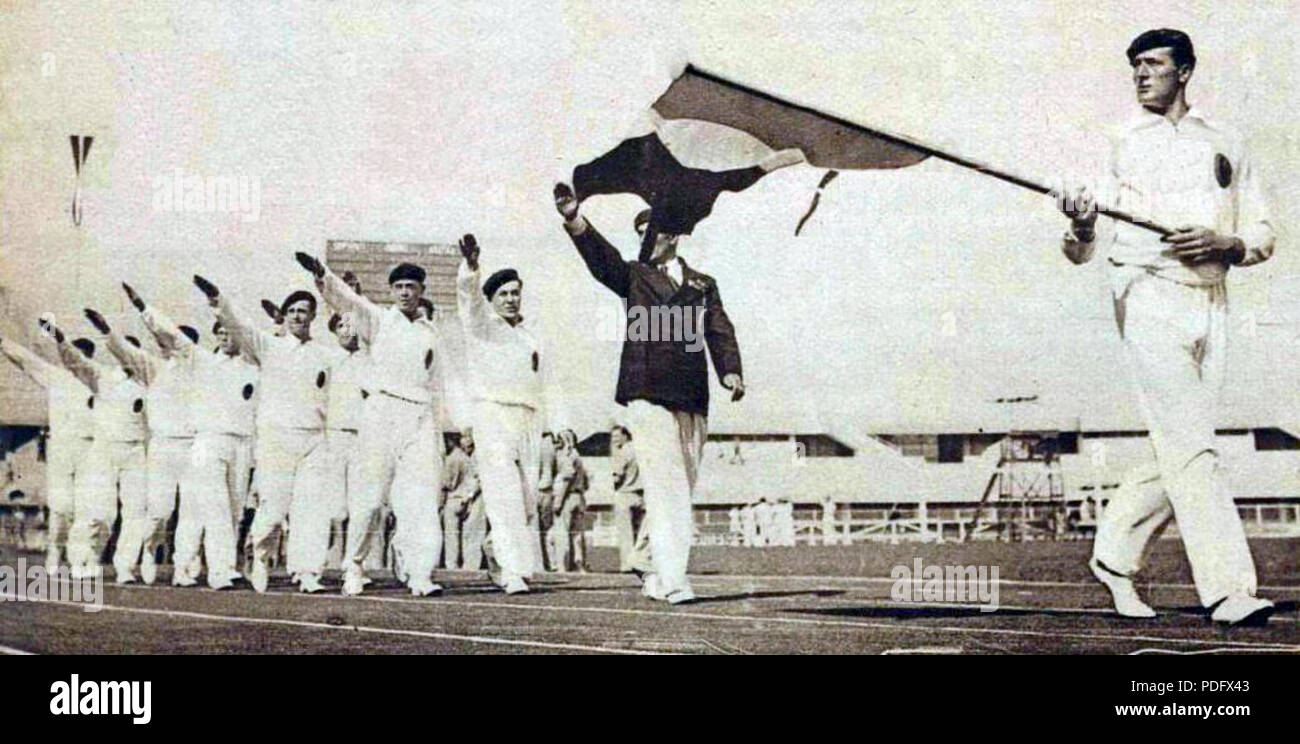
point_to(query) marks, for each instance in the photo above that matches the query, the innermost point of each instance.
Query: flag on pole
(707, 135)
(80, 153)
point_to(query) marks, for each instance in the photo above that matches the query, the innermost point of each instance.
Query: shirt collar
(1145, 118)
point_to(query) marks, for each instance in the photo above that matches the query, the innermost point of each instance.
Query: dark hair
(216, 327)
(1178, 42)
(190, 333)
(334, 322)
(133, 341)
(86, 346)
(298, 296)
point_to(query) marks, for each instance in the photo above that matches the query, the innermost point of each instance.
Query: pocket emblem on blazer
(248, 391)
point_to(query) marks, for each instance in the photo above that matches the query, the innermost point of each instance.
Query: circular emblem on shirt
(320, 379)
(247, 392)
(428, 358)
(137, 406)
(1222, 170)
(90, 402)
(535, 361)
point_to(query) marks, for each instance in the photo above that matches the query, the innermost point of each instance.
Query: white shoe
(1122, 593)
(680, 596)
(309, 584)
(125, 577)
(183, 578)
(1242, 608)
(515, 585)
(148, 569)
(353, 583)
(425, 589)
(221, 586)
(650, 586)
(236, 576)
(260, 577)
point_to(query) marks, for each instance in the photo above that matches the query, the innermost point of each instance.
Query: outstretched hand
(310, 263)
(566, 203)
(97, 321)
(276, 316)
(207, 288)
(133, 297)
(470, 250)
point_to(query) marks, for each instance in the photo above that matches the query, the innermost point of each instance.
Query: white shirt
(403, 352)
(167, 383)
(223, 389)
(226, 393)
(67, 398)
(345, 399)
(119, 403)
(294, 373)
(1195, 172)
(506, 364)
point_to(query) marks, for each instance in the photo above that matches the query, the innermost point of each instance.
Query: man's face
(1157, 79)
(506, 300)
(616, 437)
(665, 244)
(227, 342)
(298, 318)
(406, 295)
(346, 332)
(467, 441)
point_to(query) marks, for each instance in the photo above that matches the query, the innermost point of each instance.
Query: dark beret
(86, 346)
(216, 327)
(1177, 41)
(190, 333)
(298, 296)
(495, 281)
(334, 322)
(406, 271)
(133, 341)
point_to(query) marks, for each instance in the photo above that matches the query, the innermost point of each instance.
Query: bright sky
(913, 296)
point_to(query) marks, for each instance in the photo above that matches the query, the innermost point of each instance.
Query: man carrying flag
(664, 383)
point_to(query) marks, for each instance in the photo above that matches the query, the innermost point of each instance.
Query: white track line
(6, 650)
(441, 602)
(360, 628)
(706, 578)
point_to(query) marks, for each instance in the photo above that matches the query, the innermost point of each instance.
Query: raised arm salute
(400, 450)
(69, 404)
(114, 466)
(663, 377)
(290, 413)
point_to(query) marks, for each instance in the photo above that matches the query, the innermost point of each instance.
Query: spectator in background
(463, 518)
(763, 518)
(569, 539)
(749, 525)
(830, 534)
(629, 506)
(544, 514)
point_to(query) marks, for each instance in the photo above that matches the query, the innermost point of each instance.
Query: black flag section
(679, 197)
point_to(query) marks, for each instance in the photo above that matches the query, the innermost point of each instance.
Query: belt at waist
(404, 399)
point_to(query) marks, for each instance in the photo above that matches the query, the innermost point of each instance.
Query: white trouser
(398, 462)
(63, 457)
(321, 503)
(668, 445)
(111, 471)
(288, 465)
(216, 486)
(168, 464)
(1176, 337)
(507, 441)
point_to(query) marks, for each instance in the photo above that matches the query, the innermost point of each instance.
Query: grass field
(807, 599)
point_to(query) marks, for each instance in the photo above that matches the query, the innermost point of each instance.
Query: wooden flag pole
(932, 151)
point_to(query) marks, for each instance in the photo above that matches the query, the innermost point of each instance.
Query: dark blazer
(663, 371)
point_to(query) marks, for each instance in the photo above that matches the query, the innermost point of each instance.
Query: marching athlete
(1176, 165)
(400, 452)
(663, 383)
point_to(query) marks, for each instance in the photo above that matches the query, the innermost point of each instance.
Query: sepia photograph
(704, 327)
